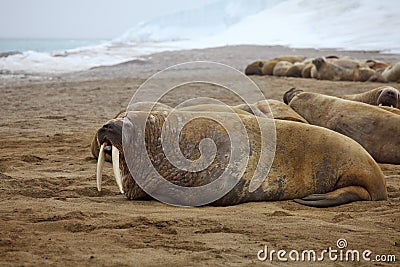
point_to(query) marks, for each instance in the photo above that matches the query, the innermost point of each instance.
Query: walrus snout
(111, 132)
(389, 97)
(288, 96)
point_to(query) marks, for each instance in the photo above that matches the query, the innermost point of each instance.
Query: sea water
(44, 45)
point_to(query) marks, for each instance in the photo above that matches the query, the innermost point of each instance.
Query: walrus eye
(260, 64)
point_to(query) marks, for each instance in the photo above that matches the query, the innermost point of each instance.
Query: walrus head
(254, 68)
(288, 96)
(318, 62)
(389, 97)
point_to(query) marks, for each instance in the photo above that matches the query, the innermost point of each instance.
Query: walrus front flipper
(335, 198)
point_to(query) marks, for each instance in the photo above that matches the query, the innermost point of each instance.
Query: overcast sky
(84, 19)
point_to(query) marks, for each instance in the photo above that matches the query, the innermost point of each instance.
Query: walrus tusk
(100, 164)
(117, 172)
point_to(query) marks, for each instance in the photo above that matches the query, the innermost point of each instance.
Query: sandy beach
(51, 213)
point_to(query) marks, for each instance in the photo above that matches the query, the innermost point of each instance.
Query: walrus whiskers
(100, 165)
(117, 171)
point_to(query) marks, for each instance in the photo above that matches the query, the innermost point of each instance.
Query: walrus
(312, 165)
(392, 73)
(377, 130)
(383, 95)
(281, 68)
(330, 71)
(255, 68)
(280, 110)
(295, 70)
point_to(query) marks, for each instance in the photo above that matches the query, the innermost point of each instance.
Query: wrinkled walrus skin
(383, 95)
(376, 129)
(312, 165)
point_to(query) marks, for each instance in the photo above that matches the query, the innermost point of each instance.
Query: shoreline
(253, 52)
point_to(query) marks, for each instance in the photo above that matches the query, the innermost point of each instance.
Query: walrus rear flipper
(335, 198)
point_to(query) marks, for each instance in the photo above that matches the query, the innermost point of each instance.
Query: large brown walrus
(384, 95)
(312, 165)
(377, 130)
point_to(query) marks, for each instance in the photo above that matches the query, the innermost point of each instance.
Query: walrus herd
(376, 129)
(327, 68)
(326, 151)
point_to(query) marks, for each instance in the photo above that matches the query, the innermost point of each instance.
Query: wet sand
(51, 213)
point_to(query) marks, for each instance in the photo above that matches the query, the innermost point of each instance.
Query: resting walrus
(384, 95)
(315, 166)
(377, 130)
